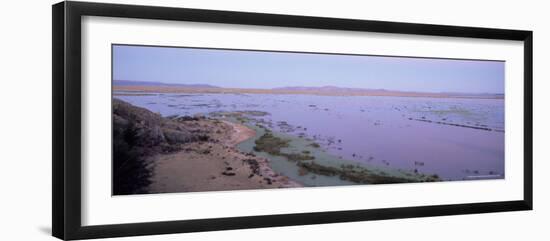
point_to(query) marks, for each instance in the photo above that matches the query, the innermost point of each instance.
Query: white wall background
(25, 125)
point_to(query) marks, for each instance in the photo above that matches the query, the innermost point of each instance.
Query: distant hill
(326, 88)
(361, 91)
(139, 86)
(151, 83)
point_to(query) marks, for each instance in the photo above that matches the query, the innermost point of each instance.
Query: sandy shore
(215, 165)
(238, 134)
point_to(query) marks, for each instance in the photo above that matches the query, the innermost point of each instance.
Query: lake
(455, 138)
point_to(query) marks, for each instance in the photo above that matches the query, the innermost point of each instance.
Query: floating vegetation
(452, 110)
(477, 127)
(242, 119)
(285, 127)
(359, 175)
(273, 145)
(270, 144)
(200, 105)
(314, 145)
(254, 113)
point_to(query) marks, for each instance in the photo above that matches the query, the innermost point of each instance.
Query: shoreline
(243, 133)
(216, 166)
(242, 147)
(301, 160)
(140, 90)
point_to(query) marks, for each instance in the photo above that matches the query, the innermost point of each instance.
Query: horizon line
(190, 85)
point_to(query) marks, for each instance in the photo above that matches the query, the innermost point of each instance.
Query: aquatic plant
(315, 145)
(359, 175)
(272, 144)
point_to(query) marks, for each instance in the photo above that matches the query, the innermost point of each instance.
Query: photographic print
(285, 119)
(202, 119)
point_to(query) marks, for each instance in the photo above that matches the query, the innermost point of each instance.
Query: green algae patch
(315, 145)
(357, 174)
(273, 145)
(270, 144)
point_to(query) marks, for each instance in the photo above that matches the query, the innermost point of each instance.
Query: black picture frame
(66, 159)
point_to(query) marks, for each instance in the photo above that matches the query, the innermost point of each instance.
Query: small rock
(228, 173)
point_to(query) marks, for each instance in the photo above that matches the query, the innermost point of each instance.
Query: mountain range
(330, 90)
(152, 83)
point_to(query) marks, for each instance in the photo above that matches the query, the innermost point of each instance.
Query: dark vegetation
(315, 145)
(273, 145)
(138, 134)
(359, 175)
(481, 127)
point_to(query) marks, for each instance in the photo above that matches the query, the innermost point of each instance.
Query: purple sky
(263, 69)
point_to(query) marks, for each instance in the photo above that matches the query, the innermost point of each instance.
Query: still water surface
(452, 137)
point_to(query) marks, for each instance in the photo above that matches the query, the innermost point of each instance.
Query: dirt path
(239, 133)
